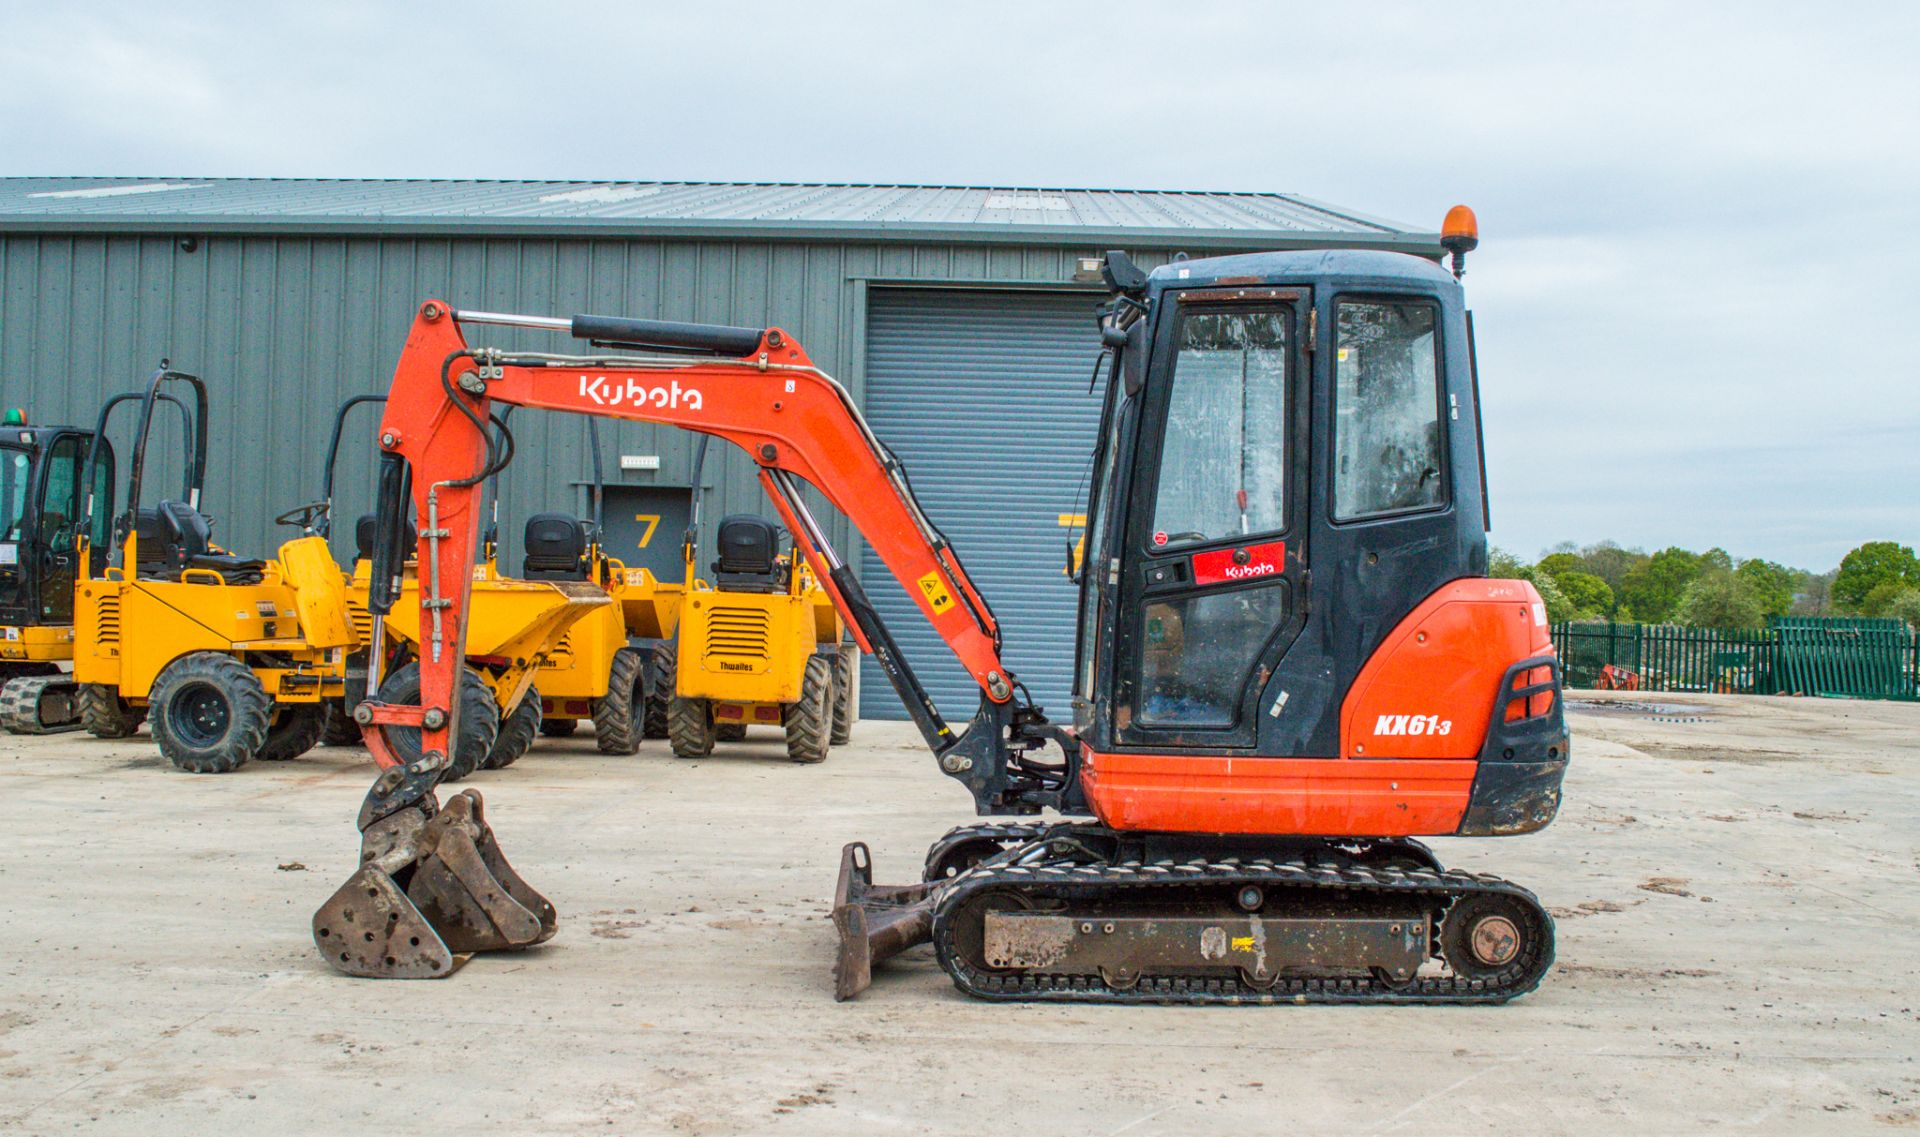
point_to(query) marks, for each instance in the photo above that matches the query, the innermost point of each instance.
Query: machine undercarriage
(1077, 912)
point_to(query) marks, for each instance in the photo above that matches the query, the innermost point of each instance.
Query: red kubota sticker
(1243, 563)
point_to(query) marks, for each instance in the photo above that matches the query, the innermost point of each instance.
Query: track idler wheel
(433, 888)
(1485, 935)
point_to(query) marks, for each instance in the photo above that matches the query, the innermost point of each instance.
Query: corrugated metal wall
(983, 395)
(284, 328)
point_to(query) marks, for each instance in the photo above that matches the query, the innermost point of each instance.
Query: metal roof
(776, 210)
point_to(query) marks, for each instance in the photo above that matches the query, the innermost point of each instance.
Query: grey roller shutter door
(983, 396)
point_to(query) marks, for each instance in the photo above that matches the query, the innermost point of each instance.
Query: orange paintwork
(1442, 664)
(1303, 796)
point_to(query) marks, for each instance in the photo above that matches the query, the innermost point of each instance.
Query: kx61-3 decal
(1411, 724)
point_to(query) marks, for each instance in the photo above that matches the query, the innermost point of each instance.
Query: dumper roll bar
(193, 468)
(755, 388)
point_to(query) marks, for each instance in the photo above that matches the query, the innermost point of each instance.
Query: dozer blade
(875, 922)
(433, 888)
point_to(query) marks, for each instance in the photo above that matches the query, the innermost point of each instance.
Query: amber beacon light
(1460, 235)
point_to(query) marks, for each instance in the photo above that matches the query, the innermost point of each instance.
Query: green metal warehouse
(959, 316)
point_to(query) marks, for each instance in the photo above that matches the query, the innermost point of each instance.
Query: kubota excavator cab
(1290, 665)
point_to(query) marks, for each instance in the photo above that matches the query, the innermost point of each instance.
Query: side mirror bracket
(1133, 359)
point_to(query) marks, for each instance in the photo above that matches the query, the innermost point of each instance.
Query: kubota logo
(1412, 724)
(1236, 572)
(634, 394)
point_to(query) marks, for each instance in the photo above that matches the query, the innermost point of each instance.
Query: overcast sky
(1689, 322)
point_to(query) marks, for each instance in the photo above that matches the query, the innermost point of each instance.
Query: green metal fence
(1796, 655)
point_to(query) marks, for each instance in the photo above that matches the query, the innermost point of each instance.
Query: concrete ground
(1735, 879)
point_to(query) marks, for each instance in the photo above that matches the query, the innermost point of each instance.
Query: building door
(645, 525)
(983, 396)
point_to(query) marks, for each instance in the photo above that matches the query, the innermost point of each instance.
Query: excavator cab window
(1223, 465)
(1211, 567)
(1388, 439)
(16, 470)
(1097, 553)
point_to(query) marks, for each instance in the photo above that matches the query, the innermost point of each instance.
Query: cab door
(1214, 557)
(16, 550)
(61, 507)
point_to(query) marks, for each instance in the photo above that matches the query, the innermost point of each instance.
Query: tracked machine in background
(1291, 663)
(42, 506)
(44, 515)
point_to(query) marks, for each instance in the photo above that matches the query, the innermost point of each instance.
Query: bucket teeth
(432, 888)
(875, 922)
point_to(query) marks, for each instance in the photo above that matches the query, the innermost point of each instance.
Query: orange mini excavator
(1291, 664)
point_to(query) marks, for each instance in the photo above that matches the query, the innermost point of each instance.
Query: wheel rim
(200, 715)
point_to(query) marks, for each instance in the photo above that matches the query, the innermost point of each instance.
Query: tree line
(1604, 581)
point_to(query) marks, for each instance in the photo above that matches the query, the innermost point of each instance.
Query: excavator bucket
(874, 921)
(432, 889)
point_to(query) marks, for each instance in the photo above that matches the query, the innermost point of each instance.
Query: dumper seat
(173, 537)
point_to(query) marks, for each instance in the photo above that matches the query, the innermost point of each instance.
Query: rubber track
(1009, 833)
(20, 705)
(1094, 882)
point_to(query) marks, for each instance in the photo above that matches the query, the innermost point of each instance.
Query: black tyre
(516, 732)
(337, 727)
(210, 713)
(104, 714)
(666, 667)
(297, 731)
(729, 732)
(843, 665)
(690, 727)
(619, 716)
(559, 728)
(479, 720)
(809, 722)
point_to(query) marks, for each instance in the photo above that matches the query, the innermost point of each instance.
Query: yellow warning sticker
(1243, 943)
(935, 590)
